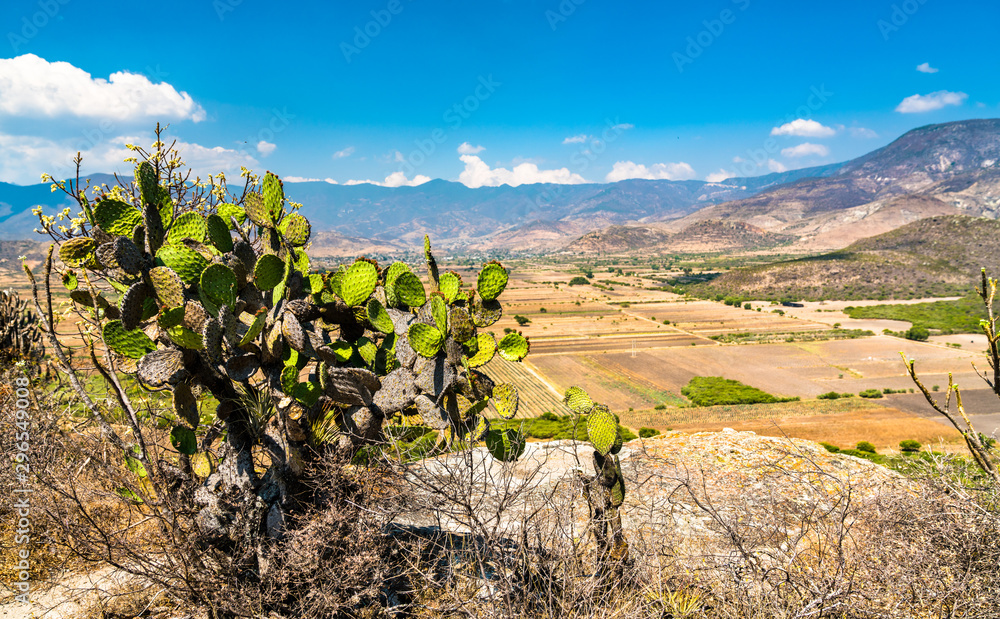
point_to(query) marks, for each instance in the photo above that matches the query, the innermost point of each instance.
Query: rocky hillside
(713, 235)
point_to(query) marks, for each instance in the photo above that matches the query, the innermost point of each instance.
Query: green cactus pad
(425, 339)
(69, 280)
(602, 427)
(367, 350)
(255, 209)
(268, 272)
(619, 442)
(128, 256)
(505, 445)
(479, 432)
(378, 317)
(231, 213)
(460, 323)
(77, 252)
(505, 399)
(486, 313)
(492, 281)
(409, 290)
(211, 337)
(170, 317)
(301, 262)
(578, 400)
(167, 285)
(186, 262)
(307, 393)
(358, 283)
(439, 311)
(184, 440)
(273, 194)
(133, 344)
(296, 229)
(201, 465)
(450, 283)
(432, 267)
(513, 347)
(618, 489)
(148, 183)
(116, 217)
(255, 327)
(190, 225)
(289, 378)
(185, 404)
(486, 349)
(395, 270)
(218, 233)
(218, 283)
(131, 306)
(185, 337)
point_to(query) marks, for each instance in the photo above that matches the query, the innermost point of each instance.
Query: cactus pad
(77, 252)
(185, 337)
(358, 282)
(231, 213)
(242, 367)
(395, 270)
(211, 337)
(439, 311)
(185, 404)
(513, 347)
(69, 280)
(378, 317)
(409, 290)
(486, 313)
(127, 256)
(425, 339)
(268, 272)
(148, 183)
(186, 262)
(184, 440)
(218, 283)
(273, 194)
(505, 445)
(132, 305)
(479, 432)
(190, 225)
(460, 322)
(296, 229)
(505, 399)
(449, 284)
(133, 344)
(168, 286)
(162, 367)
(619, 442)
(257, 211)
(602, 428)
(218, 233)
(492, 281)
(618, 489)
(578, 400)
(116, 217)
(486, 349)
(255, 327)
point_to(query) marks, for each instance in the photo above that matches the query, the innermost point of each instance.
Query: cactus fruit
(185, 404)
(358, 282)
(486, 349)
(218, 282)
(409, 290)
(513, 347)
(190, 225)
(505, 445)
(578, 400)
(378, 317)
(268, 272)
(296, 229)
(77, 252)
(505, 399)
(162, 367)
(116, 217)
(186, 262)
(492, 281)
(128, 343)
(218, 233)
(69, 280)
(426, 340)
(602, 428)
(132, 305)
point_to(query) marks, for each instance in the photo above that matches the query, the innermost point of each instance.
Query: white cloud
(862, 132)
(347, 152)
(265, 148)
(576, 139)
(658, 171)
(396, 179)
(33, 87)
(623, 126)
(926, 68)
(468, 149)
(304, 179)
(478, 174)
(804, 128)
(806, 149)
(721, 175)
(915, 104)
(776, 166)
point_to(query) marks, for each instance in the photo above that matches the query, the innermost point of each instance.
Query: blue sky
(487, 92)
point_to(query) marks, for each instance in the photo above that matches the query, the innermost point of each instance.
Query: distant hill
(936, 256)
(712, 235)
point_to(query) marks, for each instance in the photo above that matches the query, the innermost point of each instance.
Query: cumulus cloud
(658, 171)
(33, 87)
(862, 132)
(776, 166)
(803, 128)
(916, 104)
(396, 179)
(347, 152)
(806, 149)
(576, 139)
(265, 148)
(478, 173)
(468, 149)
(926, 67)
(718, 177)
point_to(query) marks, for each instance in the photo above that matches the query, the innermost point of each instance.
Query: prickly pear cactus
(20, 337)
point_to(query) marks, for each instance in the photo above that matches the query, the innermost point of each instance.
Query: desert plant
(909, 446)
(20, 336)
(216, 295)
(865, 446)
(648, 432)
(872, 394)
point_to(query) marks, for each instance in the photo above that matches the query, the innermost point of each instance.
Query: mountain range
(945, 169)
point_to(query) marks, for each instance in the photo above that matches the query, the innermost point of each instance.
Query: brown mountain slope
(701, 236)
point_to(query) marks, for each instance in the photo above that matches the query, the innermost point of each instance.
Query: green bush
(833, 395)
(648, 432)
(830, 447)
(909, 446)
(660, 407)
(522, 320)
(872, 394)
(918, 334)
(866, 447)
(578, 281)
(716, 390)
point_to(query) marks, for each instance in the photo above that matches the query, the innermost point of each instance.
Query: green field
(961, 316)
